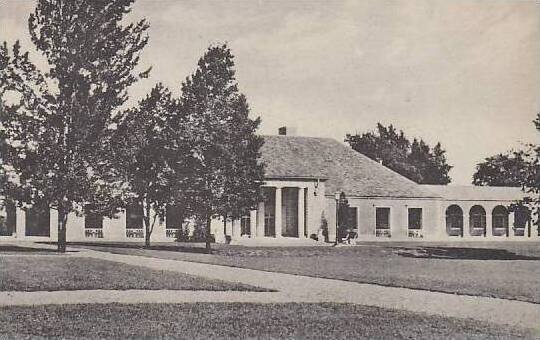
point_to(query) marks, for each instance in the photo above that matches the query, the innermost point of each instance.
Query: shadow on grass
(452, 253)
(172, 247)
(17, 249)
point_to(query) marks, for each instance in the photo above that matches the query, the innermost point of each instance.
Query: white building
(303, 175)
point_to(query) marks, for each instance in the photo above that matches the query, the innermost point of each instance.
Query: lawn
(51, 273)
(505, 270)
(212, 321)
(9, 249)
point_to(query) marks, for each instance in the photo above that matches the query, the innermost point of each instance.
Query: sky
(465, 73)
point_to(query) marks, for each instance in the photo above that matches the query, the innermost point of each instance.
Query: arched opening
(522, 222)
(499, 222)
(477, 221)
(454, 221)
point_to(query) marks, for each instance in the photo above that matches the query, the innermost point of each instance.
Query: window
(382, 218)
(92, 220)
(134, 216)
(415, 218)
(352, 218)
(174, 217)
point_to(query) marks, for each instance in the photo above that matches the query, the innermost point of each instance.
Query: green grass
(505, 270)
(51, 273)
(235, 320)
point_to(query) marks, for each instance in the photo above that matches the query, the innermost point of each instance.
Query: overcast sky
(465, 73)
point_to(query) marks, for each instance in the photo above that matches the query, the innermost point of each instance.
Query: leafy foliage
(508, 169)
(531, 180)
(54, 133)
(151, 156)
(228, 175)
(415, 160)
(517, 169)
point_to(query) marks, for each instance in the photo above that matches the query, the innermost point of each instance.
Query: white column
(301, 210)
(278, 212)
(160, 230)
(235, 232)
(260, 220)
(53, 225)
(489, 223)
(466, 226)
(511, 225)
(20, 224)
(253, 223)
(534, 227)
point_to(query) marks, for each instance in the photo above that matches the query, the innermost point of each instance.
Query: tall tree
(509, 169)
(415, 160)
(228, 174)
(531, 182)
(56, 130)
(151, 157)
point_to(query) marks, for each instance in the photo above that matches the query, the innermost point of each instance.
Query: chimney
(287, 131)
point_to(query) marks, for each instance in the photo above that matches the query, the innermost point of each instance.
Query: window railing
(93, 232)
(518, 231)
(171, 233)
(135, 233)
(415, 233)
(383, 233)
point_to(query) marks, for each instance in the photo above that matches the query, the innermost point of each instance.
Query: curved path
(290, 288)
(296, 288)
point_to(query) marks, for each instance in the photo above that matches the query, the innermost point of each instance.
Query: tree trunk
(147, 237)
(207, 235)
(148, 229)
(62, 222)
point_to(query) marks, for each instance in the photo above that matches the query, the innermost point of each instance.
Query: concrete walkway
(296, 288)
(290, 288)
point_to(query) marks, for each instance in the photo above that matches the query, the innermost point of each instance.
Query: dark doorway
(269, 212)
(38, 220)
(289, 206)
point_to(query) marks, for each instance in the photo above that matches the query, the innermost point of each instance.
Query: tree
(509, 169)
(228, 174)
(151, 158)
(531, 181)
(55, 131)
(415, 160)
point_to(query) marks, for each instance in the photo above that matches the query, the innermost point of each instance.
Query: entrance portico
(284, 211)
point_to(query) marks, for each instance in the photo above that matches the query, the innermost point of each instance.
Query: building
(303, 176)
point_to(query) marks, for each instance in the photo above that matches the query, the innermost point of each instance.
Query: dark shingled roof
(345, 169)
